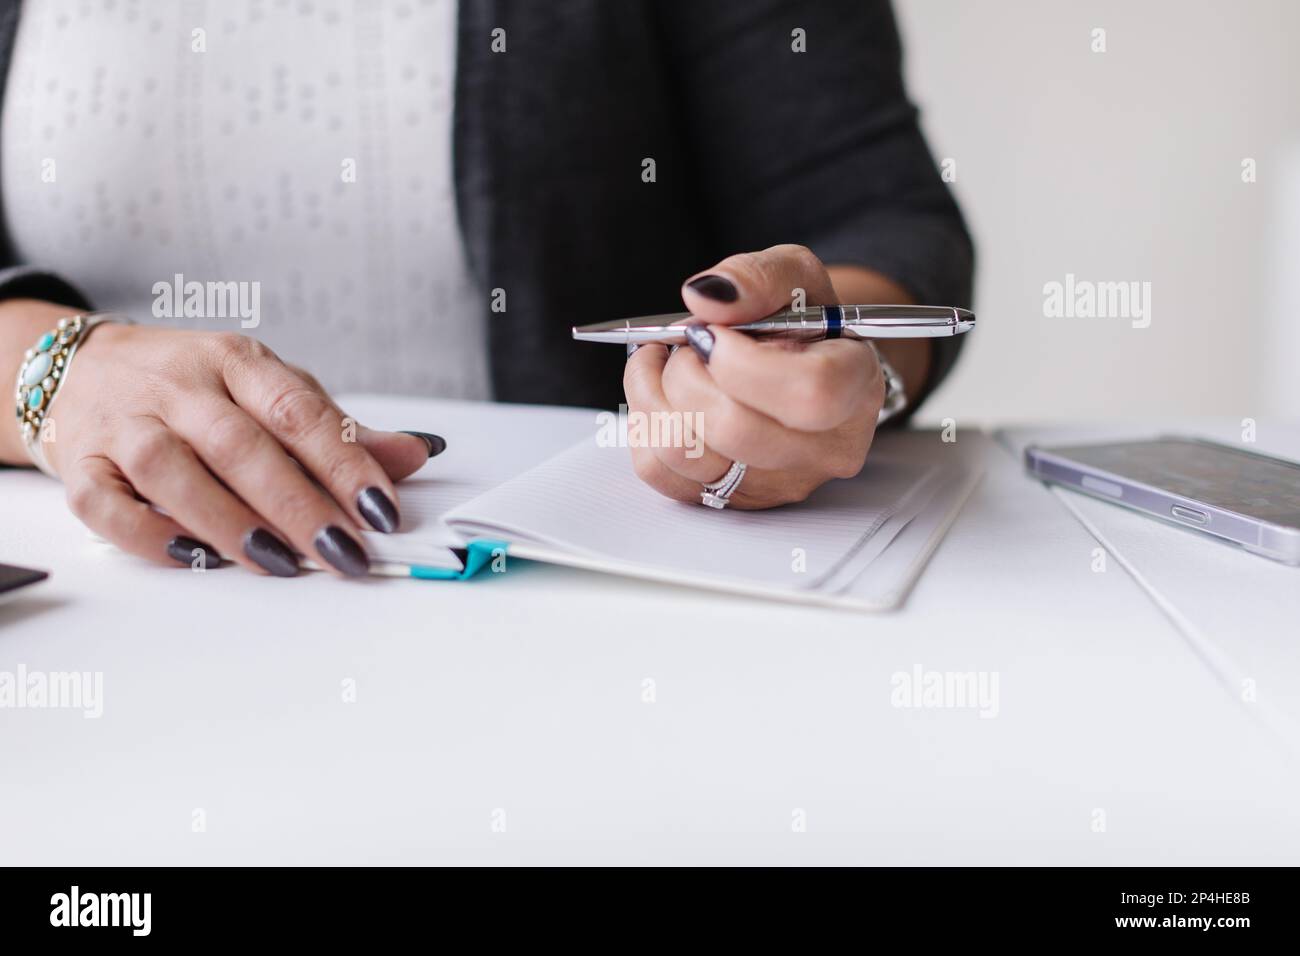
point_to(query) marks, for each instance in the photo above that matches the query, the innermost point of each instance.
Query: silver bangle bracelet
(42, 375)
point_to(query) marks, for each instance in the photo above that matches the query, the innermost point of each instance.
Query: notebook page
(914, 502)
(487, 444)
(589, 501)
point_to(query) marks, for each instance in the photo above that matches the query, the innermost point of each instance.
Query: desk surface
(510, 719)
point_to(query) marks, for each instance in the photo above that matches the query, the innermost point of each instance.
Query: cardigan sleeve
(29, 282)
(797, 116)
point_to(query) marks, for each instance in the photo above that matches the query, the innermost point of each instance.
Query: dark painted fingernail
(714, 287)
(377, 508)
(701, 340)
(632, 347)
(182, 548)
(270, 553)
(437, 444)
(342, 550)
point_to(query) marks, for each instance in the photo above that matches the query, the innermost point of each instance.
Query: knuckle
(312, 382)
(341, 471)
(674, 383)
(231, 348)
(803, 257)
(144, 453)
(83, 498)
(674, 458)
(300, 508)
(804, 491)
(230, 439)
(748, 267)
(632, 373)
(639, 376)
(797, 491)
(645, 465)
(230, 344)
(134, 523)
(293, 410)
(848, 463)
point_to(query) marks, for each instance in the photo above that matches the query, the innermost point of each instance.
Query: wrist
(45, 366)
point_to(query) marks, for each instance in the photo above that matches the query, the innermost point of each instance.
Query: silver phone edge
(1274, 541)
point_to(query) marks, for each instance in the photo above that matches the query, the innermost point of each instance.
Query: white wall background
(1123, 165)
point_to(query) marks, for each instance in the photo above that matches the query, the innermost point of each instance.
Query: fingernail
(377, 508)
(182, 547)
(714, 287)
(437, 444)
(270, 553)
(342, 550)
(701, 340)
(632, 347)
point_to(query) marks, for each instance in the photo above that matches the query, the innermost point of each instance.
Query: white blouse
(301, 151)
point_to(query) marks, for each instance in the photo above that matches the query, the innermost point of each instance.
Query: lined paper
(536, 476)
(588, 500)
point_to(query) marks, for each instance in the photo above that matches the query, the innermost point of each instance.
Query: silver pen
(812, 324)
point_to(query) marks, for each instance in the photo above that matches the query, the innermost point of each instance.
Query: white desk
(523, 693)
(1240, 613)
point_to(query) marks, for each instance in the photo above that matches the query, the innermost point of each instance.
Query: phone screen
(1218, 475)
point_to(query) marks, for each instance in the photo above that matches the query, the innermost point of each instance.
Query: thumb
(400, 454)
(752, 285)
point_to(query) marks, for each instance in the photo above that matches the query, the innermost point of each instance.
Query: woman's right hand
(243, 453)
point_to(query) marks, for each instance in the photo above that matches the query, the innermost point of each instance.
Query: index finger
(313, 430)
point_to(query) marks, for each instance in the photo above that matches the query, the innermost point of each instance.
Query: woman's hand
(245, 454)
(797, 414)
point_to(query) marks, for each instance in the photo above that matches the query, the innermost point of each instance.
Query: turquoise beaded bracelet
(42, 374)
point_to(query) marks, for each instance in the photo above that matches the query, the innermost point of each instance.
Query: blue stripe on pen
(834, 320)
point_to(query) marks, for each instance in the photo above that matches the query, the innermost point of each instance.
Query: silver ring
(717, 493)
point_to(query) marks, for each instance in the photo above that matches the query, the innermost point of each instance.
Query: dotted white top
(302, 145)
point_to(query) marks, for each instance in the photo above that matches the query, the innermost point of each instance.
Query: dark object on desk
(14, 578)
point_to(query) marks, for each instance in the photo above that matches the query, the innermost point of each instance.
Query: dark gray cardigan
(753, 144)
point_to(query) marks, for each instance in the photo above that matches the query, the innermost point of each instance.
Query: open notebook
(534, 482)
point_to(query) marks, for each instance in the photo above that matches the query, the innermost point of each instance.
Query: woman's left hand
(797, 414)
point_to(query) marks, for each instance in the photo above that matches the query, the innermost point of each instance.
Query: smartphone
(13, 578)
(1242, 497)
